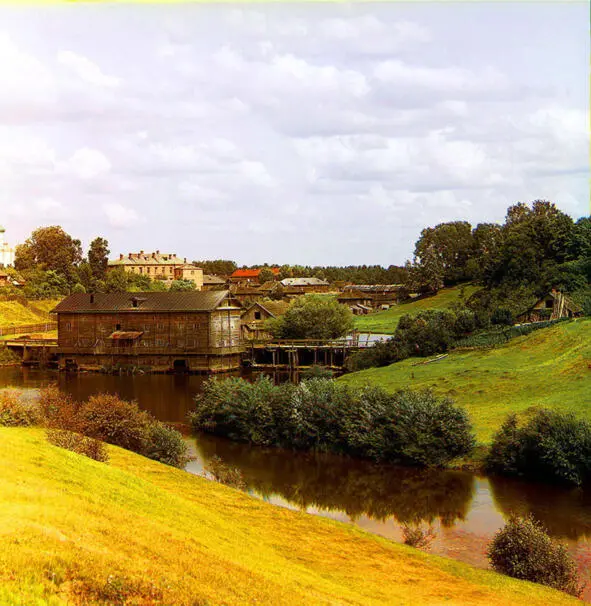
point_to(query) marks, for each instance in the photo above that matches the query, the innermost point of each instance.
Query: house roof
(304, 282)
(374, 287)
(252, 273)
(147, 301)
(156, 258)
(209, 279)
(273, 308)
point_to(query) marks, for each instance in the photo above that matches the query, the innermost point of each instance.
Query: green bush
(15, 412)
(89, 447)
(415, 428)
(523, 550)
(547, 446)
(166, 445)
(418, 536)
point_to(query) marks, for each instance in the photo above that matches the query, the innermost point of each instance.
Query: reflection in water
(566, 513)
(333, 483)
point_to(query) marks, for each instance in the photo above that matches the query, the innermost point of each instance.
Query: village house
(358, 302)
(253, 319)
(314, 285)
(158, 331)
(6, 252)
(250, 276)
(157, 266)
(554, 306)
(213, 282)
(382, 296)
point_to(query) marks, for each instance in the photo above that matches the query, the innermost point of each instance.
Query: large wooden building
(156, 331)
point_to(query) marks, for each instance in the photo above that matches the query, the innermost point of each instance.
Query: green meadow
(386, 321)
(550, 367)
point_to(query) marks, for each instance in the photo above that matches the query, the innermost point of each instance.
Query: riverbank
(547, 368)
(67, 525)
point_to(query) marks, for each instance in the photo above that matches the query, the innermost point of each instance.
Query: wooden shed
(554, 306)
(155, 331)
(254, 317)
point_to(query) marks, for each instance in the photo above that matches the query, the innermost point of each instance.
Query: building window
(68, 326)
(257, 315)
(118, 327)
(141, 270)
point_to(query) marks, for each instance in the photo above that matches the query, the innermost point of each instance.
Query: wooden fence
(28, 328)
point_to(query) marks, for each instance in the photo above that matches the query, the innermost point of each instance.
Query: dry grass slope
(14, 313)
(550, 367)
(76, 531)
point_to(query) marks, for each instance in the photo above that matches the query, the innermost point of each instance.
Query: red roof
(252, 273)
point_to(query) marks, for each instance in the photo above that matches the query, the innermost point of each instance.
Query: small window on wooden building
(257, 315)
(68, 326)
(549, 303)
(117, 326)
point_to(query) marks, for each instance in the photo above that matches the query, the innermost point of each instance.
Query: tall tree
(49, 249)
(98, 257)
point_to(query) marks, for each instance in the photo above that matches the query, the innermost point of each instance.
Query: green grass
(386, 321)
(74, 531)
(14, 313)
(550, 367)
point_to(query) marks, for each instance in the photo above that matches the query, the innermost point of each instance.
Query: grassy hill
(76, 531)
(16, 313)
(550, 367)
(386, 321)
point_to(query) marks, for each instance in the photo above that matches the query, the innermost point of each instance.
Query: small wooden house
(554, 306)
(254, 317)
(211, 282)
(158, 331)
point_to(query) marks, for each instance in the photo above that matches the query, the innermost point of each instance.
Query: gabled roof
(304, 282)
(147, 301)
(274, 308)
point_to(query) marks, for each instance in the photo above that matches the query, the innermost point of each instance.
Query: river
(465, 509)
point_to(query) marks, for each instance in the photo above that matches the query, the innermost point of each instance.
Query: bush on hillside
(15, 412)
(415, 428)
(418, 536)
(548, 446)
(225, 474)
(110, 419)
(523, 550)
(89, 447)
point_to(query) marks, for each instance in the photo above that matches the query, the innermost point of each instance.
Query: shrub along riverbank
(415, 428)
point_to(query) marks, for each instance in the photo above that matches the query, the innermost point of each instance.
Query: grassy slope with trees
(75, 529)
(549, 367)
(386, 321)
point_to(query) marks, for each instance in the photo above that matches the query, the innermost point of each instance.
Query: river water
(465, 509)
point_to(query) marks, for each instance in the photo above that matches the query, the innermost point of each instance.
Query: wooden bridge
(300, 353)
(34, 352)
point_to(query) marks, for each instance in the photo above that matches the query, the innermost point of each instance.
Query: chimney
(121, 257)
(130, 255)
(185, 259)
(153, 255)
(92, 298)
(157, 252)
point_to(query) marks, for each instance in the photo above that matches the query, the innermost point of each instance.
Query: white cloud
(87, 163)
(86, 70)
(120, 216)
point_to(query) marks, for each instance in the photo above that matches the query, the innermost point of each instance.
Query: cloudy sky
(311, 133)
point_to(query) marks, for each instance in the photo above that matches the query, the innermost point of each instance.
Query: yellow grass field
(14, 313)
(74, 531)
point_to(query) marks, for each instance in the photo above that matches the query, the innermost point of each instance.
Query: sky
(322, 134)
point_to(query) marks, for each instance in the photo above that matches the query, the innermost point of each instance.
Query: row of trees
(538, 247)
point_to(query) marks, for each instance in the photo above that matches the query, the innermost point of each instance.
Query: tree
(449, 246)
(313, 317)
(116, 280)
(49, 249)
(182, 285)
(98, 257)
(266, 275)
